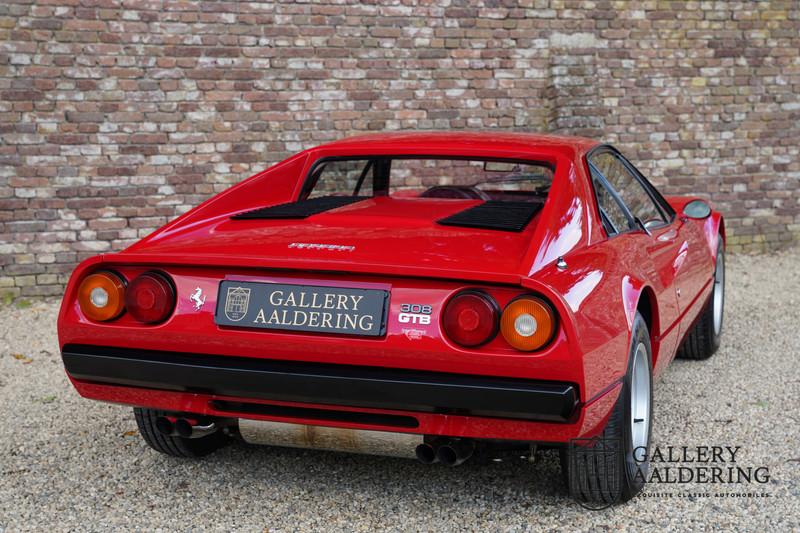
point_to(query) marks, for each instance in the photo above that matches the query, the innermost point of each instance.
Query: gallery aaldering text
(698, 464)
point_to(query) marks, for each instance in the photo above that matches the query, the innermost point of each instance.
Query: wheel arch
(714, 230)
(647, 306)
(640, 297)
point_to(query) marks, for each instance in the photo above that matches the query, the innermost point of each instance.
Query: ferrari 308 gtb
(441, 295)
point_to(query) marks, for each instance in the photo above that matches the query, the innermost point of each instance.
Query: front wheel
(613, 468)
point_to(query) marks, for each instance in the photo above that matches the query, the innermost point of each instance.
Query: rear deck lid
(382, 235)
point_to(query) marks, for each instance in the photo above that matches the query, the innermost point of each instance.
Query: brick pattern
(118, 115)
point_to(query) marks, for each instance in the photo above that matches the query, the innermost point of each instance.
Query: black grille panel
(493, 214)
(301, 209)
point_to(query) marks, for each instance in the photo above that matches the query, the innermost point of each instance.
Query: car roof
(484, 140)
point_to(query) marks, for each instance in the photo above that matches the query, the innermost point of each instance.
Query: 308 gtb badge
(415, 314)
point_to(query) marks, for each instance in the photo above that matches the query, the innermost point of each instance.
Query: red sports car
(438, 294)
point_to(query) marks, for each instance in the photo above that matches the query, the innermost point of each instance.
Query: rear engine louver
(502, 216)
(301, 209)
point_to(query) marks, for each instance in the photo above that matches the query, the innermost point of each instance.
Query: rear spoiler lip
(306, 265)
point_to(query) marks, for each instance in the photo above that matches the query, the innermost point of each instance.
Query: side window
(632, 192)
(614, 219)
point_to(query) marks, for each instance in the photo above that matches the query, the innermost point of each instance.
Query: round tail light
(102, 296)
(470, 318)
(528, 323)
(150, 298)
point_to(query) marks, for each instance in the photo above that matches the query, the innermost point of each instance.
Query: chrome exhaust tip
(426, 454)
(185, 429)
(455, 452)
(165, 426)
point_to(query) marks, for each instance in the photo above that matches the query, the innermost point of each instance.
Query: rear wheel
(613, 468)
(704, 338)
(174, 445)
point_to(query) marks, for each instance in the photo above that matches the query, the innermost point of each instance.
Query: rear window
(430, 177)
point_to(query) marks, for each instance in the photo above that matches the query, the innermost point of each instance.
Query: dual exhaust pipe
(184, 428)
(450, 452)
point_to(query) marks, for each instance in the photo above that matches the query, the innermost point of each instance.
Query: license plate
(302, 308)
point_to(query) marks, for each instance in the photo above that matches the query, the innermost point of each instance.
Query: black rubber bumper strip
(321, 383)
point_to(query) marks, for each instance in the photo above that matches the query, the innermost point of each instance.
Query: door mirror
(697, 209)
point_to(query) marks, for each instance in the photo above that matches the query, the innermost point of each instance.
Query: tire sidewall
(716, 337)
(636, 463)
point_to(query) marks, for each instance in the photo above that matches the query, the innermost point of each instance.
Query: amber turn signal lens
(102, 296)
(527, 323)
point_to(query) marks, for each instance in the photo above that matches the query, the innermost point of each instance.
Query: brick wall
(117, 115)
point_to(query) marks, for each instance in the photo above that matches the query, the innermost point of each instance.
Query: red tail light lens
(471, 318)
(150, 298)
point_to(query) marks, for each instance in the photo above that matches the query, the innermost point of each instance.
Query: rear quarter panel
(598, 297)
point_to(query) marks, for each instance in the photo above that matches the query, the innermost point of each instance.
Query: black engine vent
(300, 209)
(493, 214)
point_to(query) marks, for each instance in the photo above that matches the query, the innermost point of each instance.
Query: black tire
(608, 470)
(175, 446)
(702, 340)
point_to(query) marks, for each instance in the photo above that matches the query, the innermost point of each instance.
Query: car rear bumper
(383, 399)
(318, 383)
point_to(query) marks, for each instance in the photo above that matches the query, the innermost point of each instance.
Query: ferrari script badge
(316, 246)
(236, 302)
